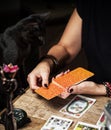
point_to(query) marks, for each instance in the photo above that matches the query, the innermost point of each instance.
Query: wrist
(51, 60)
(101, 89)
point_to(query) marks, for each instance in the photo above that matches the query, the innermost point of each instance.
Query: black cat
(17, 41)
(20, 44)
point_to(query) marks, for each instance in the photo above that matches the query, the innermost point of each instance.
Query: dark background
(11, 11)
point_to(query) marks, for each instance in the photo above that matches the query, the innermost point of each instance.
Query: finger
(32, 80)
(70, 89)
(64, 95)
(67, 71)
(45, 79)
(60, 74)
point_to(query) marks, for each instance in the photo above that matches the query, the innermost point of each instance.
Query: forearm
(70, 43)
(60, 53)
(59, 57)
(103, 89)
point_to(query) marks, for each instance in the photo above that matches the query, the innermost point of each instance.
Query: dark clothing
(96, 16)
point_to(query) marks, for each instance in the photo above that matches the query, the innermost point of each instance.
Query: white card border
(74, 115)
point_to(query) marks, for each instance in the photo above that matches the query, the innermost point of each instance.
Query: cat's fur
(17, 41)
(20, 43)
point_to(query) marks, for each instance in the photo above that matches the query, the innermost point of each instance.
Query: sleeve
(82, 7)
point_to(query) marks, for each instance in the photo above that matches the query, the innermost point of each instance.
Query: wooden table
(40, 109)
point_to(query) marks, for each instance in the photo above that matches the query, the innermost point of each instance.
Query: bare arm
(66, 49)
(70, 42)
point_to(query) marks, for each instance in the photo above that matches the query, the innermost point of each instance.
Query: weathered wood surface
(39, 109)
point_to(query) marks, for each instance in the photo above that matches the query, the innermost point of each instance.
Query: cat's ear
(44, 16)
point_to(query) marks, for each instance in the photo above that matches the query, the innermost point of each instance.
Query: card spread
(59, 84)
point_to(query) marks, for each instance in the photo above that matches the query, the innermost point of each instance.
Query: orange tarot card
(58, 85)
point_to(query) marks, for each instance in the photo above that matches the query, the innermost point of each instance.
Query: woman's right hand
(39, 75)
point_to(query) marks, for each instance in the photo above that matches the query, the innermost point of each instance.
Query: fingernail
(71, 90)
(33, 91)
(46, 85)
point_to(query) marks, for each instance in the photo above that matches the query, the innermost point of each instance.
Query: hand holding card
(58, 85)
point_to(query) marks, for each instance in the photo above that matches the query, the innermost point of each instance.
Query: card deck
(59, 84)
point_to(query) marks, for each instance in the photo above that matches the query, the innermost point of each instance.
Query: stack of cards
(60, 84)
(57, 123)
(78, 106)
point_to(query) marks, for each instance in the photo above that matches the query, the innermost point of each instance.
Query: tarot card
(78, 106)
(86, 126)
(57, 123)
(102, 120)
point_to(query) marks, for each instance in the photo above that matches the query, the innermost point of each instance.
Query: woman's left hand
(85, 87)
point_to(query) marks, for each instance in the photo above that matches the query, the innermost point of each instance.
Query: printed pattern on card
(85, 126)
(78, 106)
(57, 123)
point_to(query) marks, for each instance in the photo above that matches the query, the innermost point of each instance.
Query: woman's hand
(39, 76)
(85, 87)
